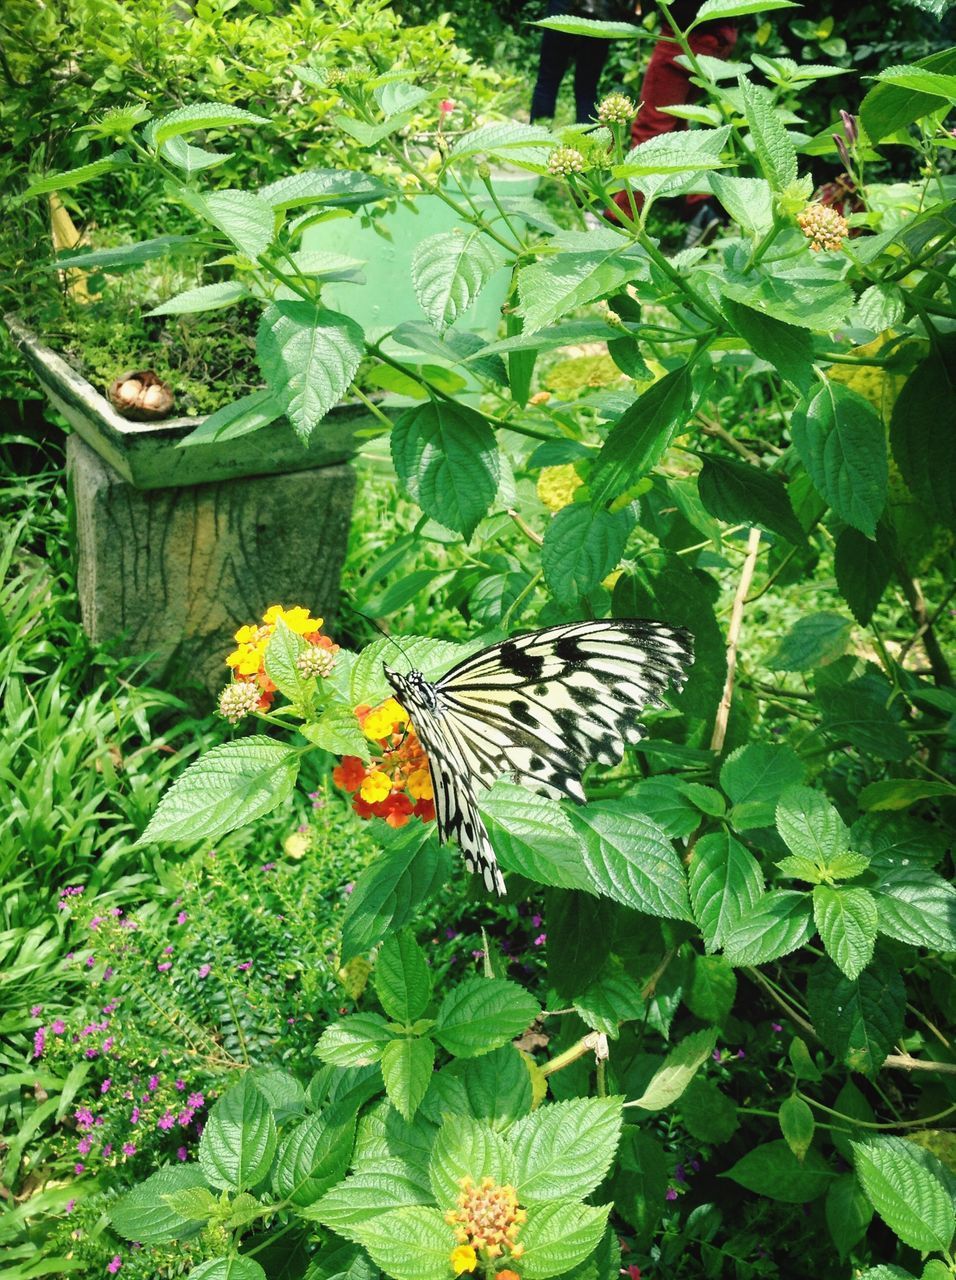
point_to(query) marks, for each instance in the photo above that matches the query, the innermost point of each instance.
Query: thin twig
(904, 1062)
(721, 433)
(733, 635)
(525, 529)
(917, 603)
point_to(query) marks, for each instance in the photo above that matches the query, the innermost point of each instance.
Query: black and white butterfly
(539, 708)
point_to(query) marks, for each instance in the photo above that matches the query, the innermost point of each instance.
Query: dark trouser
(558, 51)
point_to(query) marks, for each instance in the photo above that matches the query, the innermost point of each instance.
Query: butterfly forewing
(540, 708)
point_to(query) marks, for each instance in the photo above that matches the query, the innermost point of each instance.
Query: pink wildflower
(129, 1149)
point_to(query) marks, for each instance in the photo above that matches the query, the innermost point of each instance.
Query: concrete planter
(177, 548)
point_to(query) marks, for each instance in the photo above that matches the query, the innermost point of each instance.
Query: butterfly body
(540, 708)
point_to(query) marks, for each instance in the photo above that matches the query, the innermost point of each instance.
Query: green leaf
(778, 924)
(813, 641)
(580, 935)
(772, 145)
(858, 711)
(447, 457)
(336, 188)
(449, 270)
(243, 217)
(559, 1235)
(76, 177)
(708, 1114)
(848, 1213)
(480, 1014)
(797, 1125)
(388, 1184)
(369, 135)
(713, 989)
(737, 492)
(229, 787)
(411, 1243)
(198, 1204)
(908, 1189)
(143, 1214)
(495, 1087)
(749, 201)
(123, 255)
(282, 1091)
(900, 793)
(785, 346)
(308, 356)
(889, 107)
(666, 799)
(192, 159)
(803, 1065)
(863, 571)
(601, 29)
(612, 998)
(523, 141)
(402, 980)
(859, 1020)
(725, 884)
(533, 836)
(680, 1066)
(338, 732)
(390, 891)
(464, 1148)
(552, 286)
(313, 1157)
(933, 83)
(754, 777)
(918, 907)
(355, 1041)
(922, 430)
(714, 10)
(238, 418)
(810, 826)
(773, 1170)
(881, 306)
(581, 547)
(228, 1269)
(239, 1138)
(198, 115)
(425, 654)
(407, 1065)
(285, 646)
(841, 441)
(628, 858)
(563, 1151)
(638, 439)
(208, 297)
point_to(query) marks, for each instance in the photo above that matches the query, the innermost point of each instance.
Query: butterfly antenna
(380, 629)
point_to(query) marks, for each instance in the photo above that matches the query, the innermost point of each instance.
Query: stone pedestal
(173, 572)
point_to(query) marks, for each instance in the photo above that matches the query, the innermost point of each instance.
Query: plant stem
(733, 636)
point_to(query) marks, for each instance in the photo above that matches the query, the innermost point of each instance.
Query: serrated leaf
(712, 990)
(813, 641)
(197, 1204)
(368, 1193)
(708, 1114)
(338, 188)
(639, 438)
(581, 546)
(848, 1213)
(533, 836)
(247, 221)
(900, 793)
(680, 1066)
(124, 255)
(228, 1269)
(737, 492)
(864, 568)
(785, 346)
(338, 732)
(192, 159)
(447, 457)
(314, 1156)
(714, 10)
(922, 430)
(725, 884)
(285, 646)
(208, 297)
(308, 356)
(508, 140)
(563, 1151)
(754, 777)
(70, 178)
(238, 418)
(612, 998)
(551, 287)
(389, 892)
(143, 1214)
(841, 441)
(858, 1020)
(602, 29)
(424, 653)
(480, 1014)
(776, 925)
(355, 1041)
(559, 1235)
(773, 1170)
(628, 858)
(772, 146)
(749, 201)
(918, 907)
(881, 307)
(449, 270)
(199, 115)
(464, 1148)
(402, 979)
(407, 1065)
(810, 826)
(239, 1138)
(411, 1243)
(229, 787)
(907, 1188)
(797, 1125)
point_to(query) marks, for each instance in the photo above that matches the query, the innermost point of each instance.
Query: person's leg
(590, 57)
(557, 50)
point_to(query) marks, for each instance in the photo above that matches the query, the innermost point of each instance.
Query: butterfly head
(412, 689)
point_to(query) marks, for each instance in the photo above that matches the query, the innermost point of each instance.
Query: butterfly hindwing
(540, 707)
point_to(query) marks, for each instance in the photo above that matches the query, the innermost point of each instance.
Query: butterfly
(539, 708)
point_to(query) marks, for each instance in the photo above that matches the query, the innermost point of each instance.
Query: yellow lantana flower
(556, 486)
(419, 785)
(384, 720)
(463, 1258)
(296, 619)
(375, 787)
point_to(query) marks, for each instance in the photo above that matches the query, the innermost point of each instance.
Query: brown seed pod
(141, 396)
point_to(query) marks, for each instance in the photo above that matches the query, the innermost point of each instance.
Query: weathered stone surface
(175, 572)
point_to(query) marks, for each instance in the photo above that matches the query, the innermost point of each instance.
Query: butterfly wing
(545, 705)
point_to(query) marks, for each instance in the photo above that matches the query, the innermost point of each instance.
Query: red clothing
(666, 85)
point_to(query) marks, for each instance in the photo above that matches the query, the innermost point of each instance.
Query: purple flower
(670, 1194)
(246, 964)
(271, 866)
(451, 933)
(168, 951)
(129, 1149)
(114, 1264)
(84, 1145)
(96, 922)
(476, 955)
(166, 1121)
(153, 1083)
(107, 1150)
(70, 1206)
(92, 1053)
(204, 970)
(182, 1153)
(849, 126)
(167, 964)
(180, 1085)
(679, 1173)
(107, 973)
(349, 887)
(536, 922)
(741, 1054)
(116, 911)
(105, 1086)
(541, 939)
(90, 961)
(716, 1055)
(134, 1116)
(185, 1118)
(36, 1011)
(57, 1026)
(78, 1168)
(39, 1042)
(776, 1026)
(83, 1117)
(182, 917)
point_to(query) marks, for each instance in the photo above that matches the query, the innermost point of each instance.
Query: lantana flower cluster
(248, 659)
(486, 1222)
(396, 784)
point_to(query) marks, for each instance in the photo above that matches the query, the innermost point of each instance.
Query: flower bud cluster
(823, 227)
(616, 108)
